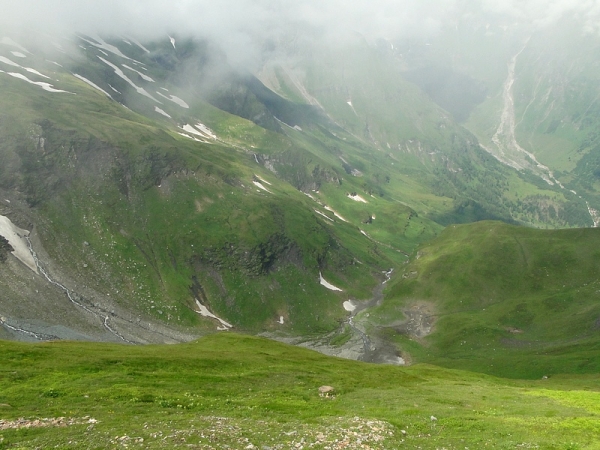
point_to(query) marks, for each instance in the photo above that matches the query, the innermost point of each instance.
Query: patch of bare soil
(420, 320)
(42, 423)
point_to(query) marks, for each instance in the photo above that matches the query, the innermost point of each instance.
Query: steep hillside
(499, 299)
(168, 194)
(528, 92)
(364, 89)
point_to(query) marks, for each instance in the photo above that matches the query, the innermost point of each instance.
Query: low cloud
(242, 27)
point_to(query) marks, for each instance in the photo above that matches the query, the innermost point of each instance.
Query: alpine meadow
(319, 225)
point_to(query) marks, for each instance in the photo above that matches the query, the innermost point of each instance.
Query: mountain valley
(428, 202)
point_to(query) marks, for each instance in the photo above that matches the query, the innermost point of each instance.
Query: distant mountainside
(169, 195)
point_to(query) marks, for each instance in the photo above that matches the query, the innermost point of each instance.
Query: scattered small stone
(45, 422)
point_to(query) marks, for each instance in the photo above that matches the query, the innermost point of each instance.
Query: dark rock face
(5, 248)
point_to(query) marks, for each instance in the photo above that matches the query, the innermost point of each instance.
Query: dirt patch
(42, 423)
(420, 320)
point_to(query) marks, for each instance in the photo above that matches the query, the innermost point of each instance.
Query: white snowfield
(323, 215)
(19, 55)
(120, 73)
(259, 185)
(92, 84)
(191, 129)
(204, 312)
(45, 86)
(349, 306)
(28, 69)
(16, 238)
(199, 130)
(136, 42)
(207, 131)
(328, 285)
(143, 75)
(176, 100)
(335, 213)
(262, 180)
(357, 198)
(99, 43)
(160, 111)
(192, 138)
(349, 102)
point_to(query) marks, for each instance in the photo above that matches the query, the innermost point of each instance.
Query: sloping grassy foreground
(232, 391)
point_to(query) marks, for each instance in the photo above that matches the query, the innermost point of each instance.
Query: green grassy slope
(362, 89)
(505, 300)
(230, 391)
(154, 220)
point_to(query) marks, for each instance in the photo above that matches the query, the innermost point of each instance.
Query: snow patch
(174, 99)
(143, 75)
(335, 213)
(357, 198)
(172, 42)
(136, 42)
(16, 238)
(324, 215)
(192, 138)
(329, 286)
(28, 69)
(206, 131)
(204, 312)
(19, 55)
(45, 86)
(349, 102)
(349, 306)
(262, 179)
(259, 185)
(192, 130)
(120, 73)
(94, 85)
(160, 111)
(101, 44)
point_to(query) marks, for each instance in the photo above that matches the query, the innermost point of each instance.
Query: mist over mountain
(246, 28)
(172, 169)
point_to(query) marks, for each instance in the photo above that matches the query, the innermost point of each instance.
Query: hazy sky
(384, 17)
(238, 25)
